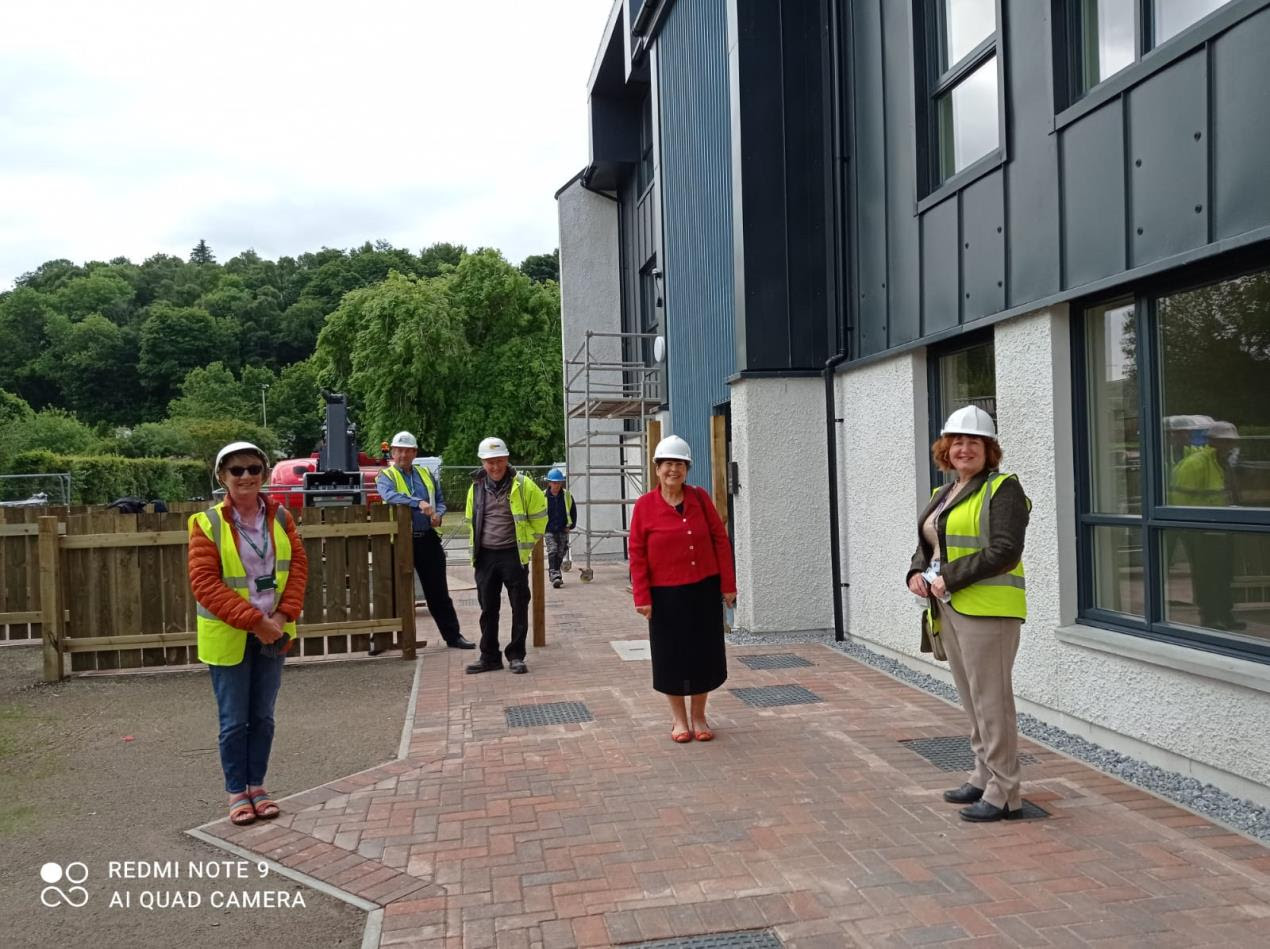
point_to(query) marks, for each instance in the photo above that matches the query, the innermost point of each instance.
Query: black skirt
(686, 638)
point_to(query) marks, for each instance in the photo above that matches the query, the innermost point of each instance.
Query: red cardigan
(669, 549)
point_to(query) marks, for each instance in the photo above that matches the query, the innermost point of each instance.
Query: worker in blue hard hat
(562, 517)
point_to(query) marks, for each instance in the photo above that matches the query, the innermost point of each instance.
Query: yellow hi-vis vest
(399, 481)
(1198, 480)
(966, 532)
(220, 644)
(529, 514)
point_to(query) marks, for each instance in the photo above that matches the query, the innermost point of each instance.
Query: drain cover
(769, 695)
(749, 939)
(776, 660)
(550, 713)
(951, 754)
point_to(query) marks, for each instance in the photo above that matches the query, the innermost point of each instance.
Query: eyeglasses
(239, 470)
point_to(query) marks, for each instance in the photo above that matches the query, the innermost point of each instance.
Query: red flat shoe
(680, 737)
(703, 735)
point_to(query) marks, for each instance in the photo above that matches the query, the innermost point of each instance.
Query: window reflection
(1173, 16)
(967, 23)
(968, 377)
(1108, 40)
(1219, 580)
(1118, 578)
(1215, 434)
(1115, 455)
(968, 127)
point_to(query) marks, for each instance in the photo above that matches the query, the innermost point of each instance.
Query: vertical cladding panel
(806, 201)
(869, 162)
(1032, 198)
(903, 266)
(696, 182)
(1093, 196)
(982, 248)
(1241, 128)
(1168, 161)
(939, 266)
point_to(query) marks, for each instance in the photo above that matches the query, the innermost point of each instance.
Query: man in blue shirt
(403, 483)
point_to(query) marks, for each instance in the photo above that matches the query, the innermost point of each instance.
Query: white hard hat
(492, 448)
(970, 420)
(234, 448)
(1223, 430)
(1187, 423)
(404, 440)
(672, 447)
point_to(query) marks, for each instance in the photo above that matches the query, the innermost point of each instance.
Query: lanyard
(261, 552)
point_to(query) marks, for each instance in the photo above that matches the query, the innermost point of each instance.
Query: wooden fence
(111, 591)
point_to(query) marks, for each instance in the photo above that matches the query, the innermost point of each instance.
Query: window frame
(931, 84)
(1149, 57)
(1157, 514)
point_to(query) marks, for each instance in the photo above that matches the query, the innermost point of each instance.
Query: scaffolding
(599, 388)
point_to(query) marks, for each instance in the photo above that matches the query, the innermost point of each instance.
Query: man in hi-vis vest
(506, 515)
(404, 483)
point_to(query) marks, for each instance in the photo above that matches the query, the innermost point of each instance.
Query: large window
(1175, 465)
(1105, 36)
(959, 98)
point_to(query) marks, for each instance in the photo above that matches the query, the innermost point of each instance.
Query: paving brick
(812, 821)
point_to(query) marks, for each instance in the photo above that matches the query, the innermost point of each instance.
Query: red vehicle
(287, 481)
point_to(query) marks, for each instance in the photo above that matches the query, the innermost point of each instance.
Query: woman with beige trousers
(968, 565)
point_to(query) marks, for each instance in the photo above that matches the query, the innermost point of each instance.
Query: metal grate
(550, 713)
(747, 939)
(951, 754)
(1031, 811)
(770, 695)
(775, 660)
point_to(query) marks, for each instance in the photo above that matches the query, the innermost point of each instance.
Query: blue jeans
(245, 694)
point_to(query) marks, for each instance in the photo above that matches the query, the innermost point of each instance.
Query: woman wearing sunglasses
(247, 570)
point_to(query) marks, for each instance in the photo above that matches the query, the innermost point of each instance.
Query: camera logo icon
(74, 895)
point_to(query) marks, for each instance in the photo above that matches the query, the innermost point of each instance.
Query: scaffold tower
(604, 384)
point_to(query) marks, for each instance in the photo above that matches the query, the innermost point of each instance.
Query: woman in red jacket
(247, 571)
(681, 564)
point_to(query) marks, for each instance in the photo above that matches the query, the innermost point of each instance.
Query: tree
(212, 392)
(296, 409)
(202, 254)
(49, 430)
(175, 340)
(435, 259)
(542, 267)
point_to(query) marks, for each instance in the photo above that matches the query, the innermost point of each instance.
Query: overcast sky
(135, 128)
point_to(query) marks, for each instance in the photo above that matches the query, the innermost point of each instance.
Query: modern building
(848, 217)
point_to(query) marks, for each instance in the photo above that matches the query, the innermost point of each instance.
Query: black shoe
(483, 666)
(458, 642)
(966, 794)
(983, 812)
(557, 583)
(518, 666)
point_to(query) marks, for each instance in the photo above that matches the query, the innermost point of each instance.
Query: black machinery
(338, 478)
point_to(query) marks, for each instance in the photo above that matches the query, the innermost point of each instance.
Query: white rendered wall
(781, 531)
(590, 299)
(1181, 718)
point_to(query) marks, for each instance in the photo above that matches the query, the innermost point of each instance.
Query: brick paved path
(811, 820)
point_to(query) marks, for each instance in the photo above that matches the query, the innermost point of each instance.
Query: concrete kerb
(373, 929)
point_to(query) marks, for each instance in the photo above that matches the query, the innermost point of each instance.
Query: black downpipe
(831, 450)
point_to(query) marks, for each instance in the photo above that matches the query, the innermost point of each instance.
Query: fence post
(51, 599)
(536, 569)
(403, 558)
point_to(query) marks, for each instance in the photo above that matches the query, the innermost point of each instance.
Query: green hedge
(99, 479)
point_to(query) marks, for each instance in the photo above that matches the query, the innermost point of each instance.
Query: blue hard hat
(555, 474)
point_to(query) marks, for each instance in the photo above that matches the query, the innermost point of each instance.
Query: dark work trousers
(496, 569)
(430, 566)
(557, 546)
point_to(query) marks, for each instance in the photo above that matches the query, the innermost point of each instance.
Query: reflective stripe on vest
(220, 644)
(399, 481)
(967, 532)
(529, 516)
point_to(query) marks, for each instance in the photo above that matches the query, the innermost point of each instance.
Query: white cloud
(141, 127)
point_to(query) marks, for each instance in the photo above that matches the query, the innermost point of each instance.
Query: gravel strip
(1245, 816)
